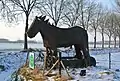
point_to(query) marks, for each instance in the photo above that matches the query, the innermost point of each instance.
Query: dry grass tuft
(37, 75)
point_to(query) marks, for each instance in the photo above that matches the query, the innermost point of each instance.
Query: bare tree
(53, 8)
(117, 5)
(5, 9)
(79, 12)
(117, 25)
(115, 29)
(95, 21)
(109, 27)
(18, 7)
(102, 25)
(87, 12)
(118, 18)
(72, 13)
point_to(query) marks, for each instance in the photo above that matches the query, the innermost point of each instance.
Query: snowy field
(13, 60)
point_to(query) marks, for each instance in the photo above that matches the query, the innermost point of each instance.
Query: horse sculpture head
(33, 30)
(34, 27)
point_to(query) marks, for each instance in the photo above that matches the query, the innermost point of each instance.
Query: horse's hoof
(83, 73)
(92, 61)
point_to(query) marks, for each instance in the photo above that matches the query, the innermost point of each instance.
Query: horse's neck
(47, 31)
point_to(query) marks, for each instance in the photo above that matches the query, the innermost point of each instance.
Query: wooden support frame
(60, 64)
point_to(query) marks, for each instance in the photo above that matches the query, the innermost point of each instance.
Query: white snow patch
(13, 60)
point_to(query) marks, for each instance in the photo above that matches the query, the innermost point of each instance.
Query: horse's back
(72, 28)
(74, 35)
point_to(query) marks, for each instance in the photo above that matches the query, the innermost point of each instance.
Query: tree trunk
(25, 34)
(82, 14)
(119, 41)
(95, 39)
(102, 40)
(115, 42)
(109, 41)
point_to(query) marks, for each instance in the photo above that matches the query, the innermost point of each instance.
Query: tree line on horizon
(87, 14)
(3, 40)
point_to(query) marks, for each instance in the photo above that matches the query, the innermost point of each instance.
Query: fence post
(60, 63)
(109, 60)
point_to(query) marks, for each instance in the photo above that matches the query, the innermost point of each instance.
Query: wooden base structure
(75, 63)
(60, 63)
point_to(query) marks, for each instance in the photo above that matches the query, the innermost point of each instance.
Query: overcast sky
(108, 3)
(15, 33)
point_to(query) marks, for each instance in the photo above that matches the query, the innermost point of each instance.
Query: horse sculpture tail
(87, 50)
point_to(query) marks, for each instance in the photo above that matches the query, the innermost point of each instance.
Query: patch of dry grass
(37, 75)
(29, 74)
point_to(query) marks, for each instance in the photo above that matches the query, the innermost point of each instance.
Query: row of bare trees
(85, 13)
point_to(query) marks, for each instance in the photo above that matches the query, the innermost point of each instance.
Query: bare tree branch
(53, 8)
(15, 8)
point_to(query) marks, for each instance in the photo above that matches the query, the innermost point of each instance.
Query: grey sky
(107, 3)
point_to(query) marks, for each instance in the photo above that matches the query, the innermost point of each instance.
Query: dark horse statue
(55, 37)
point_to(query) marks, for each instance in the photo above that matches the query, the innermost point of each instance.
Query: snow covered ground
(13, 60)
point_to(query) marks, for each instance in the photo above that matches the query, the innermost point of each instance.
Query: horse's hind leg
(78, 51)
(86, 56)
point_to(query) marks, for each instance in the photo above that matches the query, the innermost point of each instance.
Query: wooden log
(52, 67)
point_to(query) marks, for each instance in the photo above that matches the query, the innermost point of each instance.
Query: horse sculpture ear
(43, 18)
(40, 17)
(47, 20)
(52, 24)
(36, 17)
